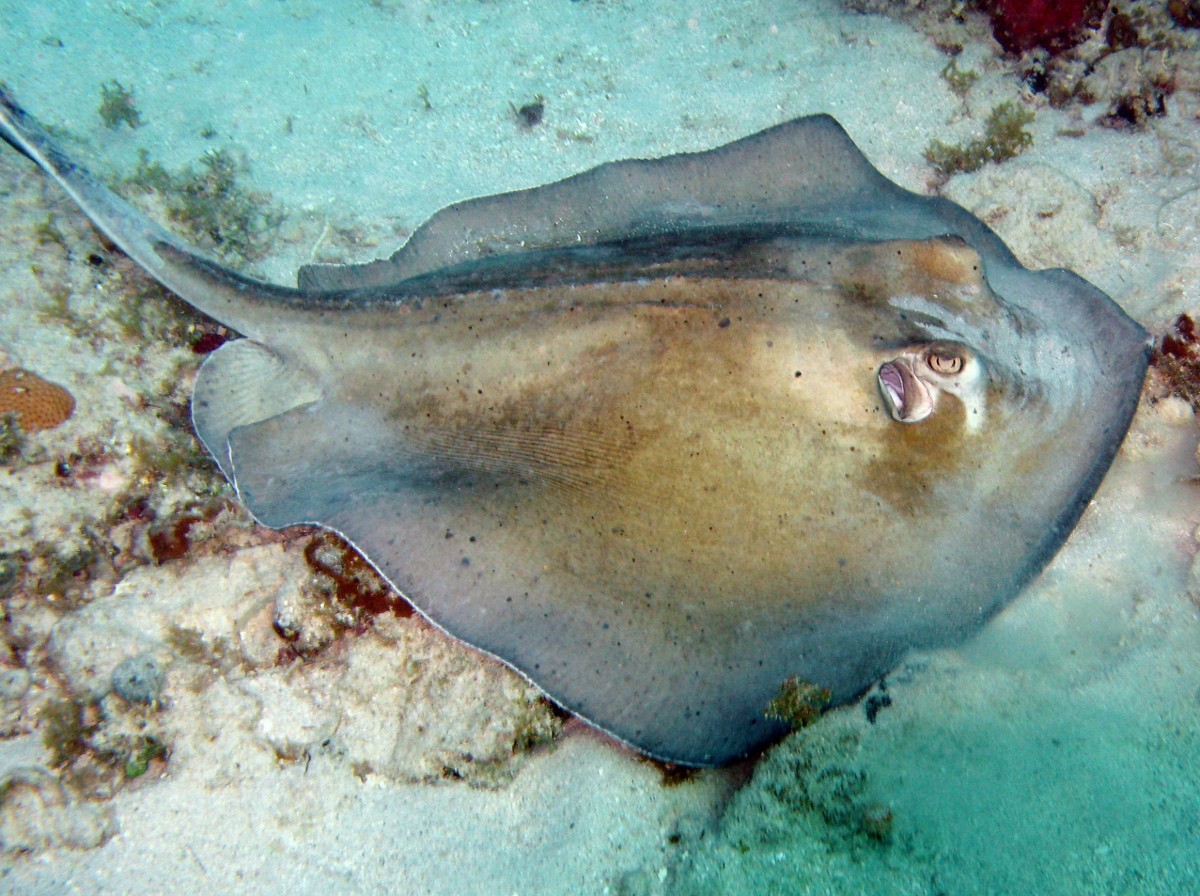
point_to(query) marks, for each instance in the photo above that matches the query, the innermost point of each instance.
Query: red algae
(171, 537)
(1176, 360)
(354, 582)
(1054, 25)
(208, 342)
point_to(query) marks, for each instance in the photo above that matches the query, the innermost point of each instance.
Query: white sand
(1059, 752)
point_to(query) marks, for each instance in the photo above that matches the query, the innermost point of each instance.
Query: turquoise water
(1057, 752)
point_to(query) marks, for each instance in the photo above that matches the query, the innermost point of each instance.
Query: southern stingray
(668, 433)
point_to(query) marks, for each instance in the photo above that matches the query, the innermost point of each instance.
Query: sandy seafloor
(1057, 752)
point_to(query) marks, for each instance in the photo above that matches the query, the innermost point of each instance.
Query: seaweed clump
(98, 746)
(959, 80)
(65, 728)
(11, 439)
(209, 200)
(1003, 138)
(173, 536)
(56, 574)
(1185, 13)
(217, 656)
(1056, 25)
(671, 774)
(118, 107)
(798, 703)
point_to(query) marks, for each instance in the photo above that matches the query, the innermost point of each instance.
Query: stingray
(668, 434)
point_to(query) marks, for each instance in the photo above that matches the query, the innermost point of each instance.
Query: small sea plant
(959, 80)
(117, 106)
(799, 703)
(1004, 136)
(141, 755)
(65, 728)
(211, 202)
(11, 439)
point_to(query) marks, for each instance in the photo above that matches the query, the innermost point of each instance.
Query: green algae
(1004, 137)
(12, 440)
(959, 80)
(138, 760)
(798, 703)
(97, 746)
(64, 730)
(118, 106)
(213, 206)
(219, 655)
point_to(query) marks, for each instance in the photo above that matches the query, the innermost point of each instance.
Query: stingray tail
(240, 303)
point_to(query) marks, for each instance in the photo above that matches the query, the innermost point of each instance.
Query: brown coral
(36, 403)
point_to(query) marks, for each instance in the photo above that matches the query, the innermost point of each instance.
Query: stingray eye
(945, 363)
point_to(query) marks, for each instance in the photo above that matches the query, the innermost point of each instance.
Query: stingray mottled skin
(667, 433)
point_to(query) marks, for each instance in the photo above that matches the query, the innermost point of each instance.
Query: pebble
(138, 679)
(14, 683)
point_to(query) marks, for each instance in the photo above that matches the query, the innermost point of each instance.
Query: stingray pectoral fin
(768, 176)
(240, 384)
(655, 669)
(496, 556)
